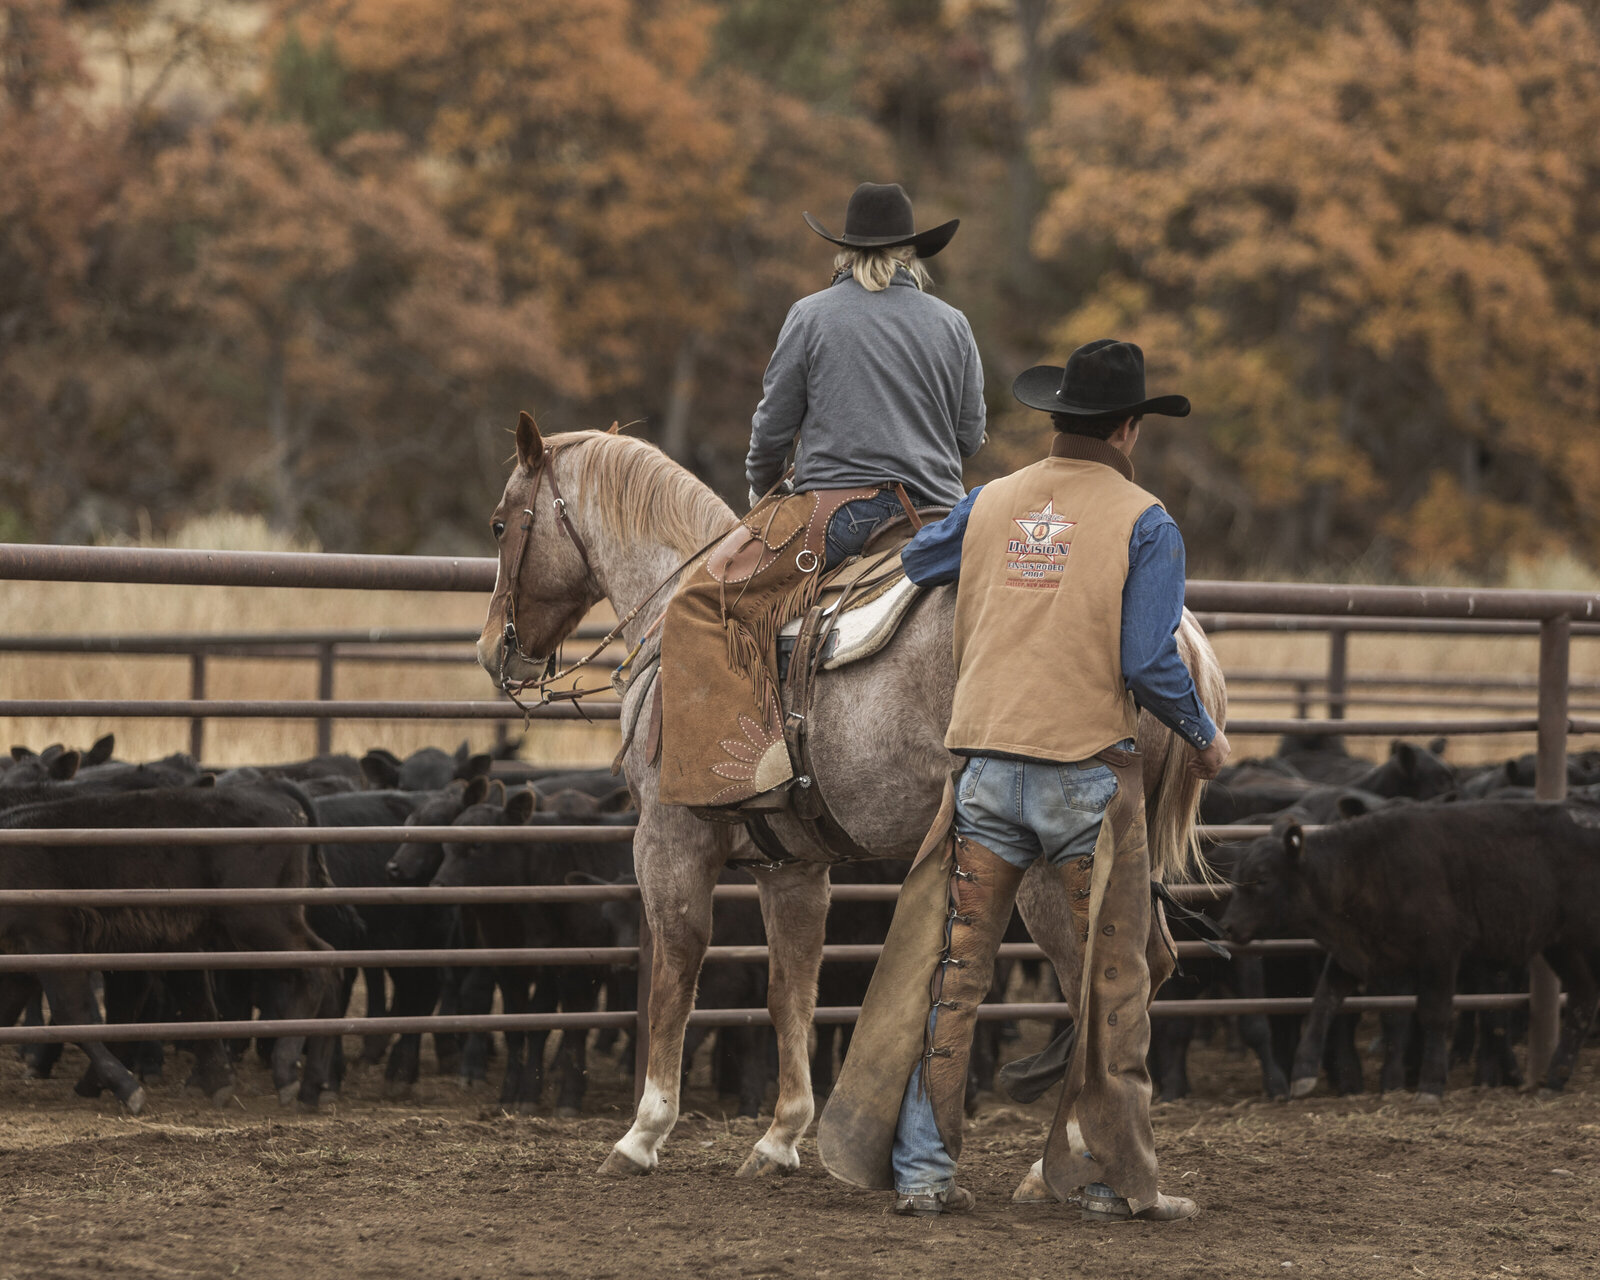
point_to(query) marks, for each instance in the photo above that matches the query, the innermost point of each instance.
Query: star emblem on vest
(1038, 557)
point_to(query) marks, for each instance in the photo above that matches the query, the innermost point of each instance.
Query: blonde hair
(875, 268)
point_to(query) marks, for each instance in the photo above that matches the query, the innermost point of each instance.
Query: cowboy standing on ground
(881, 384)
(1070, 588)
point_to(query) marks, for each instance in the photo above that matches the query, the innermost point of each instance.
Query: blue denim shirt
(1152, 607)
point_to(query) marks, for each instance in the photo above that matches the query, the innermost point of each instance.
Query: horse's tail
(1171, 792)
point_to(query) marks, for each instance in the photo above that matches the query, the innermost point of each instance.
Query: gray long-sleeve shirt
(879, 387)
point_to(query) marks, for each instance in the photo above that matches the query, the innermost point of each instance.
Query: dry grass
(1483, 657)
(51, 608)
(111, 609)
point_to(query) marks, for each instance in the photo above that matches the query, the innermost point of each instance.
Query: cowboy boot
(983, 889)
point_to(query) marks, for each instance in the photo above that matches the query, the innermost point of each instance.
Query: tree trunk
(675, 441)
(285, 494)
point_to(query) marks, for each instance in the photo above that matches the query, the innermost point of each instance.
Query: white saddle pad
(862, 631)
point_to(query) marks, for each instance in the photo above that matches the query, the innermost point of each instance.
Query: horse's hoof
(567, 1113)
(223, 1096)
(1430, 1100)
(618, 1165)
(762, 1166)
(526, 1109)
(287, 1093)
(398, 1089)
(1032, 1190)
(1303, 1087)
(135, 1102)
(470, 1082)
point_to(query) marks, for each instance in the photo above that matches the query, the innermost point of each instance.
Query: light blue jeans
(1021, 810)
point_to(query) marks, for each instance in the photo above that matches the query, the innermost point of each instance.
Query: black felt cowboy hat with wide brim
(879, 217)
(1101, 380)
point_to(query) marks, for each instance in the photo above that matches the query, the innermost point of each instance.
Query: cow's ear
(530, 445)
(475, 792)
(477, 766)
(521, 806)
(1406, 754)
(64, 765)
(1351, 805)
(380, 769)
(1294, 841)
(206, 780)
(1438, 745)
(497, 790)
(21, 753)
(619, 800)
(101, 751)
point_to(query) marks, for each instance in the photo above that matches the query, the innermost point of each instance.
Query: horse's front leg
(677, 858)
(794, 908)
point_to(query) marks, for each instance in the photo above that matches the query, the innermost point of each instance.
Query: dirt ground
(1494, 1183)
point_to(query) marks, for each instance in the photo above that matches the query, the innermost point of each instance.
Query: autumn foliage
(1362, 235)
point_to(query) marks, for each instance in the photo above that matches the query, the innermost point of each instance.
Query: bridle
(510, 642)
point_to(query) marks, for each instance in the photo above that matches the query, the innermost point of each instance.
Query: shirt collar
(901, 276)
(1088, 449)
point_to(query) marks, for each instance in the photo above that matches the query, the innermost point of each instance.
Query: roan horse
(588, 516)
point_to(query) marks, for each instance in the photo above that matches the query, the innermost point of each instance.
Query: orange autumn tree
(646, 195)
(58, 173)
(1365, 237)
(350, 344)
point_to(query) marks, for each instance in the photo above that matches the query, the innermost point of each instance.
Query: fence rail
(1338, 611)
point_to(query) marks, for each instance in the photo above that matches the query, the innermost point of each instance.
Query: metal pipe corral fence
(1339, 611)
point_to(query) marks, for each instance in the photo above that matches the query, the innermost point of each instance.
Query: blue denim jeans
(1021, 810)
(855, 522)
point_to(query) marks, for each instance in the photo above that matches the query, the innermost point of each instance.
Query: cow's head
(1270, 898)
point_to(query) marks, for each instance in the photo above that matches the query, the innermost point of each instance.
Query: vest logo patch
(1038, 558)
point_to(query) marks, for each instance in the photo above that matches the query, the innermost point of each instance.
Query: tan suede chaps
(983, 891)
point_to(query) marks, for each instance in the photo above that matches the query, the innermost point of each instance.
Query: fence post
(1338, 655)
(197, 691)
(641, 1028)
(1302, 700)
(324, 694)
(1550, 783)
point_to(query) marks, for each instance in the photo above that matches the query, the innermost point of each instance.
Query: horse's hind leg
(677, 858)
(794, 907)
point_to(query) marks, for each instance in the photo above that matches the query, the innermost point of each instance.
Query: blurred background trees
(307, 260)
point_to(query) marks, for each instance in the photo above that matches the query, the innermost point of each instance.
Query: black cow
(420, 926)
(574, 988)
(44, 930)
(1408, 892)
(429, 769)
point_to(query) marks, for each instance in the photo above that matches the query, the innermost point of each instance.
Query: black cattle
(111, 866)
(573, 988)
(1320, 757)
(327, 765)
(429, 769)
(1408, 892)
(744, 1059)
(1240, 977)
(600, 783)
(421, 927)
(844, 982)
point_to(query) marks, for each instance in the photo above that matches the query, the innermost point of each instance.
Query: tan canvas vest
(1038, 629)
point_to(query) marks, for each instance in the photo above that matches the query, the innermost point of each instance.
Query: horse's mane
(644, 493)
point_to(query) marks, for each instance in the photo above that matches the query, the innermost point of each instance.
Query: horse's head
(544, 585)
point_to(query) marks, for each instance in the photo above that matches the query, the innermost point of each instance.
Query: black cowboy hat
(1103, 379)
(879, 217)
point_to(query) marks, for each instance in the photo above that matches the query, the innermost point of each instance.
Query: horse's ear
(530, 445)
(615, 427)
